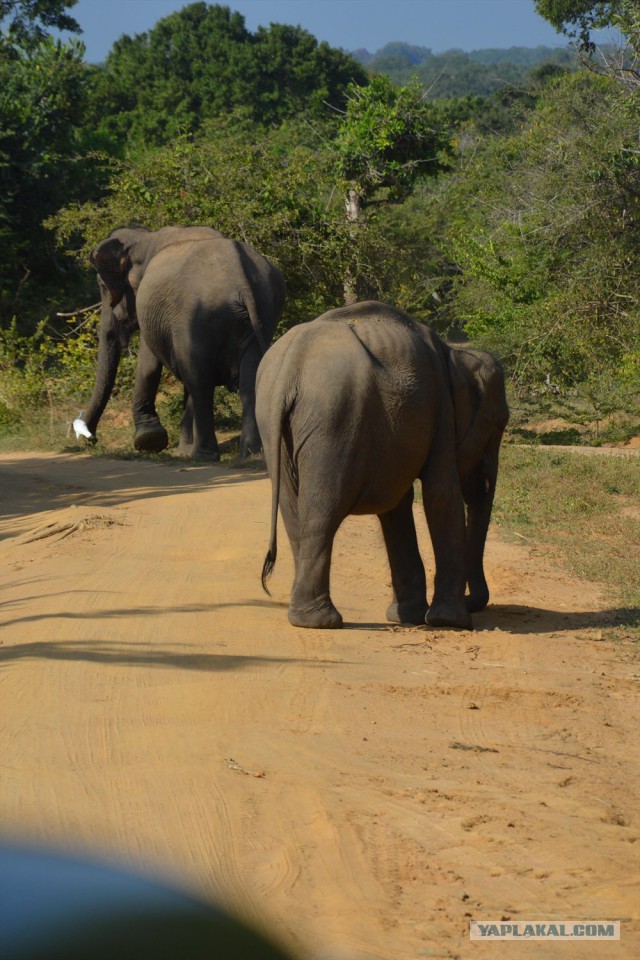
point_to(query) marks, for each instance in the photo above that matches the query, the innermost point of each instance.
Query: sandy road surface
(361, 793)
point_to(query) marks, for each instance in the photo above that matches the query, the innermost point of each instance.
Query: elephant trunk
(109, 353)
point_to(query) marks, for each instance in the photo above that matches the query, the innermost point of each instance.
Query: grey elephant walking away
(352, 408)
(481, 413)
(206, 308)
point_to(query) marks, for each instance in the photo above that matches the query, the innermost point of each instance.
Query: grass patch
(585, 508)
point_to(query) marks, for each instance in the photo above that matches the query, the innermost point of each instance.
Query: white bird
(81, 429)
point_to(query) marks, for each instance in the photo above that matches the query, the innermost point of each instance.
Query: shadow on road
(39, 483)
(141, 655)
(513, 618)
(516, 619)
(125, 611)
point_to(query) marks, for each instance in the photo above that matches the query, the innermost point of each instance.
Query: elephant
(352, 408)
(206, 308)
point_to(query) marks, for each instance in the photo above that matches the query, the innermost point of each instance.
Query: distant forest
(455, 73)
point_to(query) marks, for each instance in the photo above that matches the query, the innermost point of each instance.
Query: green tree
(295, 74)
(456, 74)
(26, 22)
(43, 162)
(202, 63)
(577, 18)
(389, 140)
(190, 65)
(273, 191)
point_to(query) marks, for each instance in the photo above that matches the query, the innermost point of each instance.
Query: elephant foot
(478, 596)
(475, 602)
(198, 453)
(408, 611)
(205, 456)
(151, 438)
(250, 446)
(451, 614)
(321, 616)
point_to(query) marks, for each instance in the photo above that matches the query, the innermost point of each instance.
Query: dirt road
(361, 793)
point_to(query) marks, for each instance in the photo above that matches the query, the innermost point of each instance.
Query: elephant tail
(269, 564)
(282, 400)
(252, 311)
(272, 552)
(252, 282)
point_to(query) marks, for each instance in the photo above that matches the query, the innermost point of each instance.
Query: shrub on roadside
(45, 380)
(52, 375)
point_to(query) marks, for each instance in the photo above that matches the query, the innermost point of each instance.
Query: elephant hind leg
(311, 604)
(318, 615)
(150, 435)
(250, 441)
(477, 599)
(409, 604)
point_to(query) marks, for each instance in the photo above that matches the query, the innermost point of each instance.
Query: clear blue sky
(350, 24)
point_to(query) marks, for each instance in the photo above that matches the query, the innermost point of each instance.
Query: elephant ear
(477, 383)
(111, 260)
(463, 393)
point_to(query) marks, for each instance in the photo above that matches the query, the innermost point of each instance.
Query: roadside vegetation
(580, 509)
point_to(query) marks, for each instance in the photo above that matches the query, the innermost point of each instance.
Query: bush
(52, 372)
(45, 379)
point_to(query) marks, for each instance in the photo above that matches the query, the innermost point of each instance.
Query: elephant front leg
(408, 578)
(444, 508)
(250, 442)
(150, 435)
(185, 443)
(480, 490)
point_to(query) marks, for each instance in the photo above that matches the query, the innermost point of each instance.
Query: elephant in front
(206, 308)
(352, 408)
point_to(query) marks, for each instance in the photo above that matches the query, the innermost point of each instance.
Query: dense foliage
(26, 22)
(46, 161)
(202, 63)
(548, 247)
(511, 217)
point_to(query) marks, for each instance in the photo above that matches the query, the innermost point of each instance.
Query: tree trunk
(353, 207)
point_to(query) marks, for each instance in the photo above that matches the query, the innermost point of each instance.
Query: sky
(350, 24)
